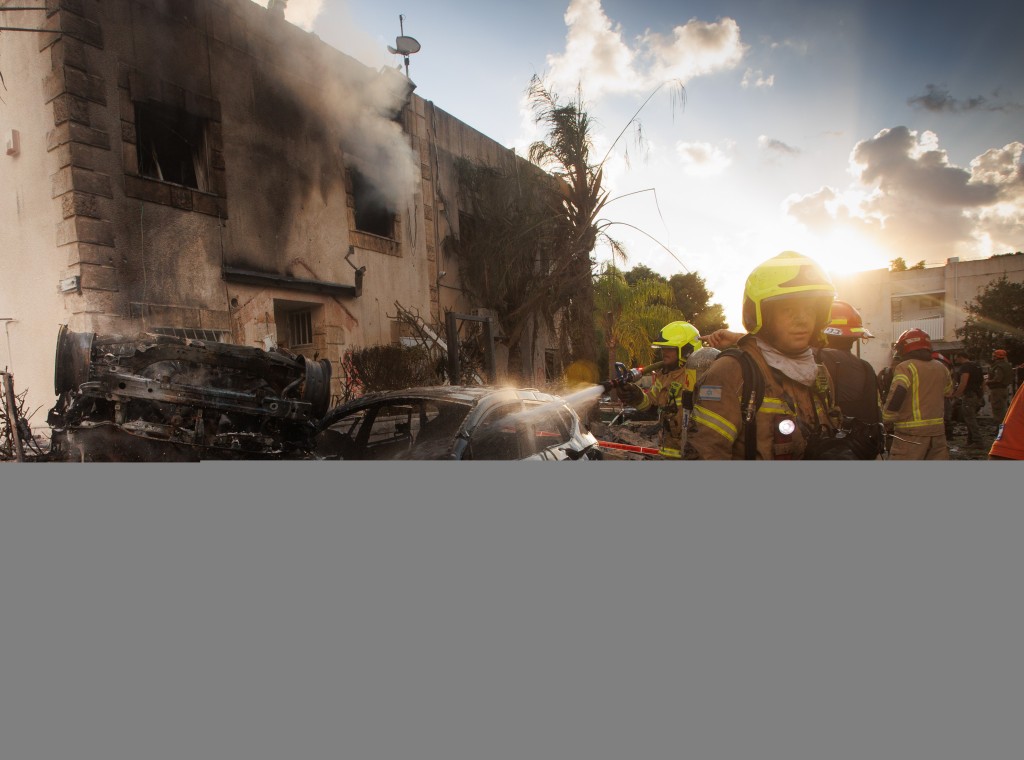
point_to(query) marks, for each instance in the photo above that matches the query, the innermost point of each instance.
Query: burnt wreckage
(163, 398)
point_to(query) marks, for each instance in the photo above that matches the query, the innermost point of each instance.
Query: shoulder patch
(710, 393)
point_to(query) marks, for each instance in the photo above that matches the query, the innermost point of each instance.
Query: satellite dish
(404, 46)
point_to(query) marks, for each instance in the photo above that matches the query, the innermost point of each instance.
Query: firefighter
(947, 418)
(914, 408)
(856, 387)
(769, 398)
(676, 342)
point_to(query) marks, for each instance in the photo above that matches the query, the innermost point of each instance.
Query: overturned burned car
(152, 398)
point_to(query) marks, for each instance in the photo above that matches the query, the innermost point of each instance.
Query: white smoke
(302, 13)
(358, 104)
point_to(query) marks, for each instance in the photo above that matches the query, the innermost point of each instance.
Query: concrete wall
(286, 117)
(957, 284)
(868, 293)
(31, 212)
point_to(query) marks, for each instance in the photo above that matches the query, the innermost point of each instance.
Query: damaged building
(205, 170)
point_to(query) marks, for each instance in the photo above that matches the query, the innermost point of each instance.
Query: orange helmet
(845, 322)
(999, 354)
(942, 358)
(913, 339)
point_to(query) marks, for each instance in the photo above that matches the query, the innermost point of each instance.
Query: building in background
(932, 299)
(202, 168)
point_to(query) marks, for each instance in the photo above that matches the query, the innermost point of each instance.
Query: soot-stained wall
(283, 117)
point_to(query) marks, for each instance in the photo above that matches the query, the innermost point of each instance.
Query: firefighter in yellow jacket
(786, 304)
(914, 408)
(676, 342)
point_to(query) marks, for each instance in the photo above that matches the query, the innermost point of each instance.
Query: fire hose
(628, 447)
(623, 375)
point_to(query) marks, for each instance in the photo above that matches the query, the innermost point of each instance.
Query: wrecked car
(455, 422)
(152, 398)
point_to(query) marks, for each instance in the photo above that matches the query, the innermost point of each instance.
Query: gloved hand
(629, 394)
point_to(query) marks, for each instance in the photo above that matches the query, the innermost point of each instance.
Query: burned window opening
(172, 145)
(371, 214)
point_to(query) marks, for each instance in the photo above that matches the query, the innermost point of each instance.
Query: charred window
(372, 214)
(171, 145)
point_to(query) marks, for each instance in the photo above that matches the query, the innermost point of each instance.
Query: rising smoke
(358, 104)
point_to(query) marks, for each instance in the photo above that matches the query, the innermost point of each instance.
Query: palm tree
(629, 314)
(566, 155)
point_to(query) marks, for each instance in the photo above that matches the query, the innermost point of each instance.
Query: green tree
(642, 272)
(566, 152)
(899, 264)
(995, 319)
(630, 314)
(692, 298)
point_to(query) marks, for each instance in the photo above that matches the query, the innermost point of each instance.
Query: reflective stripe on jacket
(716, 429)
(666, 393)
(926, 384)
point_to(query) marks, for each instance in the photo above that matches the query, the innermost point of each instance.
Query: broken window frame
(164, 135)
(370, 218)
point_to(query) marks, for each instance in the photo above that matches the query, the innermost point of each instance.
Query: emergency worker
(914, 408)
(947, 417)
(856, 387)
(1000, 377)
(676, 342)
(969, 393)
(853, 378)
(786, 302)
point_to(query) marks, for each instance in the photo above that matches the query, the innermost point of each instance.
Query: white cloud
(771, 145)
(908, 198)
(302, 13)
(597, 55)
(799, 47)
(757, 79)
(700, 159)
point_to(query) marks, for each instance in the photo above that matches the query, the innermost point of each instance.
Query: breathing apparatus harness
(822, 443)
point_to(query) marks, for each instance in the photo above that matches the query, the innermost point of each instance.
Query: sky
(852, 132)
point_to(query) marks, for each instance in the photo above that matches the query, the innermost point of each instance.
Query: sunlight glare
(844, 251)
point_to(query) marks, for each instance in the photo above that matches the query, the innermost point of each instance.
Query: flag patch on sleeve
(710, 393)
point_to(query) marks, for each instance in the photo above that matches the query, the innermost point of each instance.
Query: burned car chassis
(163, 398)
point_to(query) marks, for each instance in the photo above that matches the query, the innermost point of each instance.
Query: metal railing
(934, 326)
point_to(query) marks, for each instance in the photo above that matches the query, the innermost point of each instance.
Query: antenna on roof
(404, 46)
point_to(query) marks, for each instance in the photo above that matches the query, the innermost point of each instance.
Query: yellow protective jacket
(716, 430)
(920, 407)
(666, 393)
